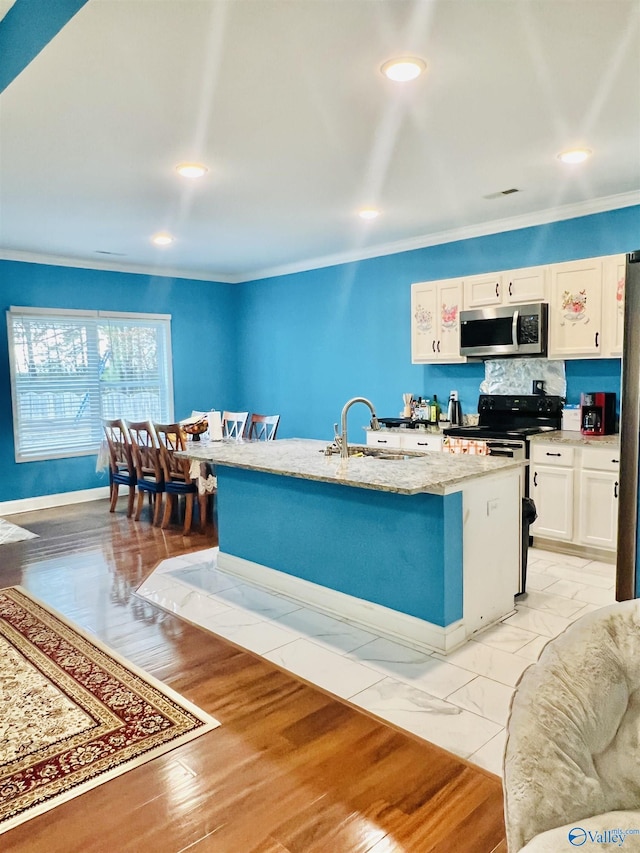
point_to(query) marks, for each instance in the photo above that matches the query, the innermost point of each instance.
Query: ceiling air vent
(501, 193)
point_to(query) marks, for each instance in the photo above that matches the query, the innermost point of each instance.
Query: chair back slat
(171, 438)
(233, 424)
(119, 444)
(145, 447)
(263, 427)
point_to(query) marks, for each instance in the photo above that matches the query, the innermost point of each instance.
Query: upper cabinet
(586, 308)
(613, 305)
(506, 288)
(435, 321)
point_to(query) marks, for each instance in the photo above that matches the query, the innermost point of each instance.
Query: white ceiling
(284, 101)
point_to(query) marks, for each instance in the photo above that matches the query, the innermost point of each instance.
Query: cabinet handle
(615, 489)
(438, 346)
(433, 346)
(553, 454)
(597, 336)
(497, 288)
(381, 441)
(535, 478)
(616, 461)
(422, 443)
(510, 288)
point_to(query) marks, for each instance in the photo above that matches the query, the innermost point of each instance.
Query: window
(70, 369)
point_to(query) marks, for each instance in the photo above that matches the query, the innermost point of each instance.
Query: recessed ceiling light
(368, 213)
(575, 155)
(191, 170)
(403, 69)
(162, 239)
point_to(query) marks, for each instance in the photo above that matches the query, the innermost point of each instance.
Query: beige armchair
(572, 759)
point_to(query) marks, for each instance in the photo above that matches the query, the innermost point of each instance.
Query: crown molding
(495, 226)
(115, 266)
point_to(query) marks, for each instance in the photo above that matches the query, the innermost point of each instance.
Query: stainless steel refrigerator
(628, 555)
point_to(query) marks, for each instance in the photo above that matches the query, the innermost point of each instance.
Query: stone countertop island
(424, 549)
(430, 473)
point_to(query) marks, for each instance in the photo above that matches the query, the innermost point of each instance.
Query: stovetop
(503, 416)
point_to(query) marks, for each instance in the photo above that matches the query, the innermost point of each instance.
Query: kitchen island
(424, 548)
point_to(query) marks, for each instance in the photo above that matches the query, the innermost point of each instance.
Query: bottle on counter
(434, 410)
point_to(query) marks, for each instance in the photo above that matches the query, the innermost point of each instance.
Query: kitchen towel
(215, 426)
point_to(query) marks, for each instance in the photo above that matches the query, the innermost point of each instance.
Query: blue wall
(401, 551)
(301, 344)
(204, 334)
(311, 340)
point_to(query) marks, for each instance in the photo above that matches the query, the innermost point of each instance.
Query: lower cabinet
(551, 485)
(404, 440)
(575, 490)
(599, 487)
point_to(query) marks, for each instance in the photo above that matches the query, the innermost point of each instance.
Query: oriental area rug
(73, 714)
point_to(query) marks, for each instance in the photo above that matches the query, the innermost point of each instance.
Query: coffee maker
(598, 413)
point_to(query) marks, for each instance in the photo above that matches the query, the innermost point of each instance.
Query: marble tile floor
(459, 701)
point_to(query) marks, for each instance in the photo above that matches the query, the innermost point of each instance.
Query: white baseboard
(365, 614)
(48, 501)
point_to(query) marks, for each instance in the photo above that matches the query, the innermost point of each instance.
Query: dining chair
(233, 424)
(177, 476)
(263, 427)
(146, 458)
(122, 470)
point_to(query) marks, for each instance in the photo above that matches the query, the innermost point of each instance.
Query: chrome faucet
(341, 440)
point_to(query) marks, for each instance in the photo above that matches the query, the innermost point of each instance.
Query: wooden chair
(177, 477)
(263, 427)
(122, 470)
(233, 424)
(146, 458)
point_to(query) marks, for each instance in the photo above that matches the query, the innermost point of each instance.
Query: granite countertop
(431, 473)
(575, 438)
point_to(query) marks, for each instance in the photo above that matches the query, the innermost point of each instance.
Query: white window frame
(95, 390)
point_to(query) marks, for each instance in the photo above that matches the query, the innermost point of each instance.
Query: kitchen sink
(356, 450)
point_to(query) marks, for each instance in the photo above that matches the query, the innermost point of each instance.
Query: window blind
(70, 369)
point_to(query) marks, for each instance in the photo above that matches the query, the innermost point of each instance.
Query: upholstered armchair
(572, 759)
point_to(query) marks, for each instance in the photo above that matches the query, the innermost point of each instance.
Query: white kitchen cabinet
(506, 288)
(435, 321)
(613, 306)
(575, 309)
(598, 491)
(405, 440)
(417, 440)
(551, 482)
(575, 489)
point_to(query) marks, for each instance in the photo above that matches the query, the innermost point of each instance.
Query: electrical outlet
(492, 506)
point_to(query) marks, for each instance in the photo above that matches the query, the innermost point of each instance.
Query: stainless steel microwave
(507, 330)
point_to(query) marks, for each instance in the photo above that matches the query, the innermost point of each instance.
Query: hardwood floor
(290, 770)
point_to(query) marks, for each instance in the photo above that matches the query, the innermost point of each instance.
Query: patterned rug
(72, 713)
(12, 533)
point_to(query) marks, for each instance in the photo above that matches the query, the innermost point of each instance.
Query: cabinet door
(425, 321)
(526, 285)
(483, 290)
(449, 304)
(552, 491)
(384, 439)
(575, 310)
(613, 307)
(418, 440)
(598, 519)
